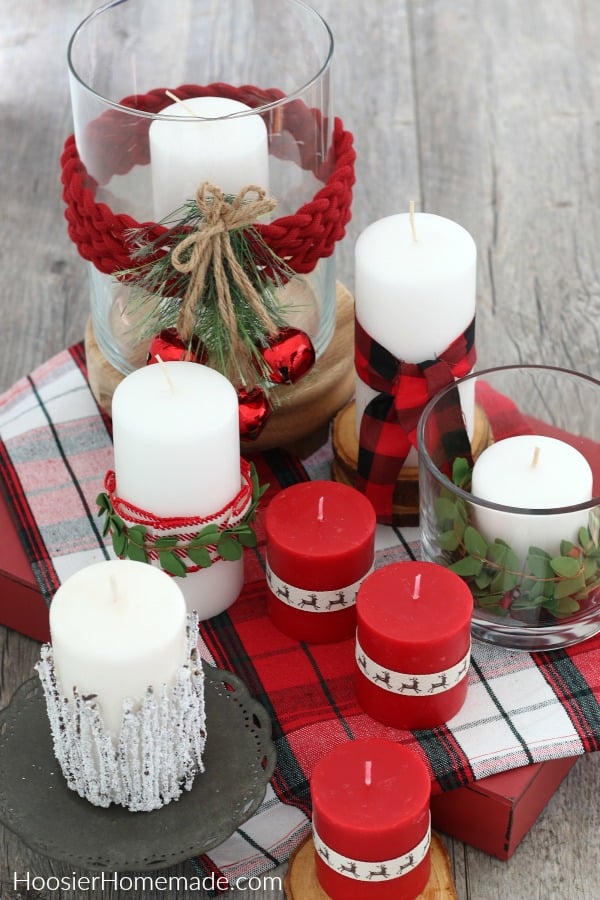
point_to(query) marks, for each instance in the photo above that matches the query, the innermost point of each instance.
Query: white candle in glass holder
(414, 293)
(531, 472)
(116, 628)
(177, 453)
(217, 145)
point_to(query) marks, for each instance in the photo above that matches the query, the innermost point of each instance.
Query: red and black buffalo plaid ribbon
(388, 427)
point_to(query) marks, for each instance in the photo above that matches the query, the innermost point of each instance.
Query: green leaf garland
(543, 589)
(157, 290)
(131, 542)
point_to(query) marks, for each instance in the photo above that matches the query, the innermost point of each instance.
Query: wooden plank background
(485, 111)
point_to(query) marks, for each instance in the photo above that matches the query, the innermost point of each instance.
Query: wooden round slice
(301, 881)
(406, 490)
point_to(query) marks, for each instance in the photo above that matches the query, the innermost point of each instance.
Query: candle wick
(411, 213)
(417, 588)
(182, 103)
(536, 456)
(114, 588)
(368, 768)
(134, 76)
(165, 372)
(320, 515)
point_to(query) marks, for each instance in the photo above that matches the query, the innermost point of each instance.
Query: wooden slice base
(301, 882)
(406, 490)
(301, 412)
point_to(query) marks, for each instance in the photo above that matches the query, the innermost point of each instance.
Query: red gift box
(495, 814)
(21, 604)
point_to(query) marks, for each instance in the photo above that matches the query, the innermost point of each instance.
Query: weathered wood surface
(486, 111)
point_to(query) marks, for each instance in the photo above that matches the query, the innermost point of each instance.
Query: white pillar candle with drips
(117, 628)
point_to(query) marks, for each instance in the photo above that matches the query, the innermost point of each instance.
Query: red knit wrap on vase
(303, 238)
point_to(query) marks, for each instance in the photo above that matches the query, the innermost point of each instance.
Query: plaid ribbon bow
(388, 427)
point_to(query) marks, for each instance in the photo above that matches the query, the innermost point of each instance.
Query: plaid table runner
(521, 708)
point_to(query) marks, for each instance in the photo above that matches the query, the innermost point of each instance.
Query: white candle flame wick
(114, 588)
(320, 515)
(182, 103)
(165, 372)
(368, 768)
(536, 456)
(411, 213)
(134, 80)
(417, 588)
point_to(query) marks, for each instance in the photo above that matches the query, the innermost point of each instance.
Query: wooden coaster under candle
(301, 881)
(301, 412)
(406, 491)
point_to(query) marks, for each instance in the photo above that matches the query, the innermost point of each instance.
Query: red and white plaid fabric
(521, 708)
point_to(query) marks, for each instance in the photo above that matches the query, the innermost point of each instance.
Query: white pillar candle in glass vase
(176, 454)
(205, 139)
(531, 472)
(415, 293)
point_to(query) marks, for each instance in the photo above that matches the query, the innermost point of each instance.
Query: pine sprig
(157, 289)
(131, 541)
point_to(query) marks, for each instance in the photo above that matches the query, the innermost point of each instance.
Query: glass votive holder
(252, 82)
(511, 502)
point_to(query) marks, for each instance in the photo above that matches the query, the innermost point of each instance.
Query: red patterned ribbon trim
(184, 528)
(374, 872)
(314, 601)
(411, 684)
(121, 141)
(388, 426)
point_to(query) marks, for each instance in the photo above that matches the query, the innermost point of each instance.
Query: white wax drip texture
(159, 748)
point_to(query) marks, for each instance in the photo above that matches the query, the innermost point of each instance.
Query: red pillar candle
(320, 545)
(371, 821)
(412, 644)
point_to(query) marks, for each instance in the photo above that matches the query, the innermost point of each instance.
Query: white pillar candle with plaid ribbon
(415, 291)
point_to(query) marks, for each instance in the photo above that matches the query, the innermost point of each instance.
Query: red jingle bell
(254, 411)
(168, 345)
(289, 355)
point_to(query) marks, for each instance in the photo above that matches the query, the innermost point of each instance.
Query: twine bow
(209, 246)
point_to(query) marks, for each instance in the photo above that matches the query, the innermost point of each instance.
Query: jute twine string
(210, 246)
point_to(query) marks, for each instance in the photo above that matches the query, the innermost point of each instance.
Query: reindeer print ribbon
(373, 871)
(411, 685)
(313, 601)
